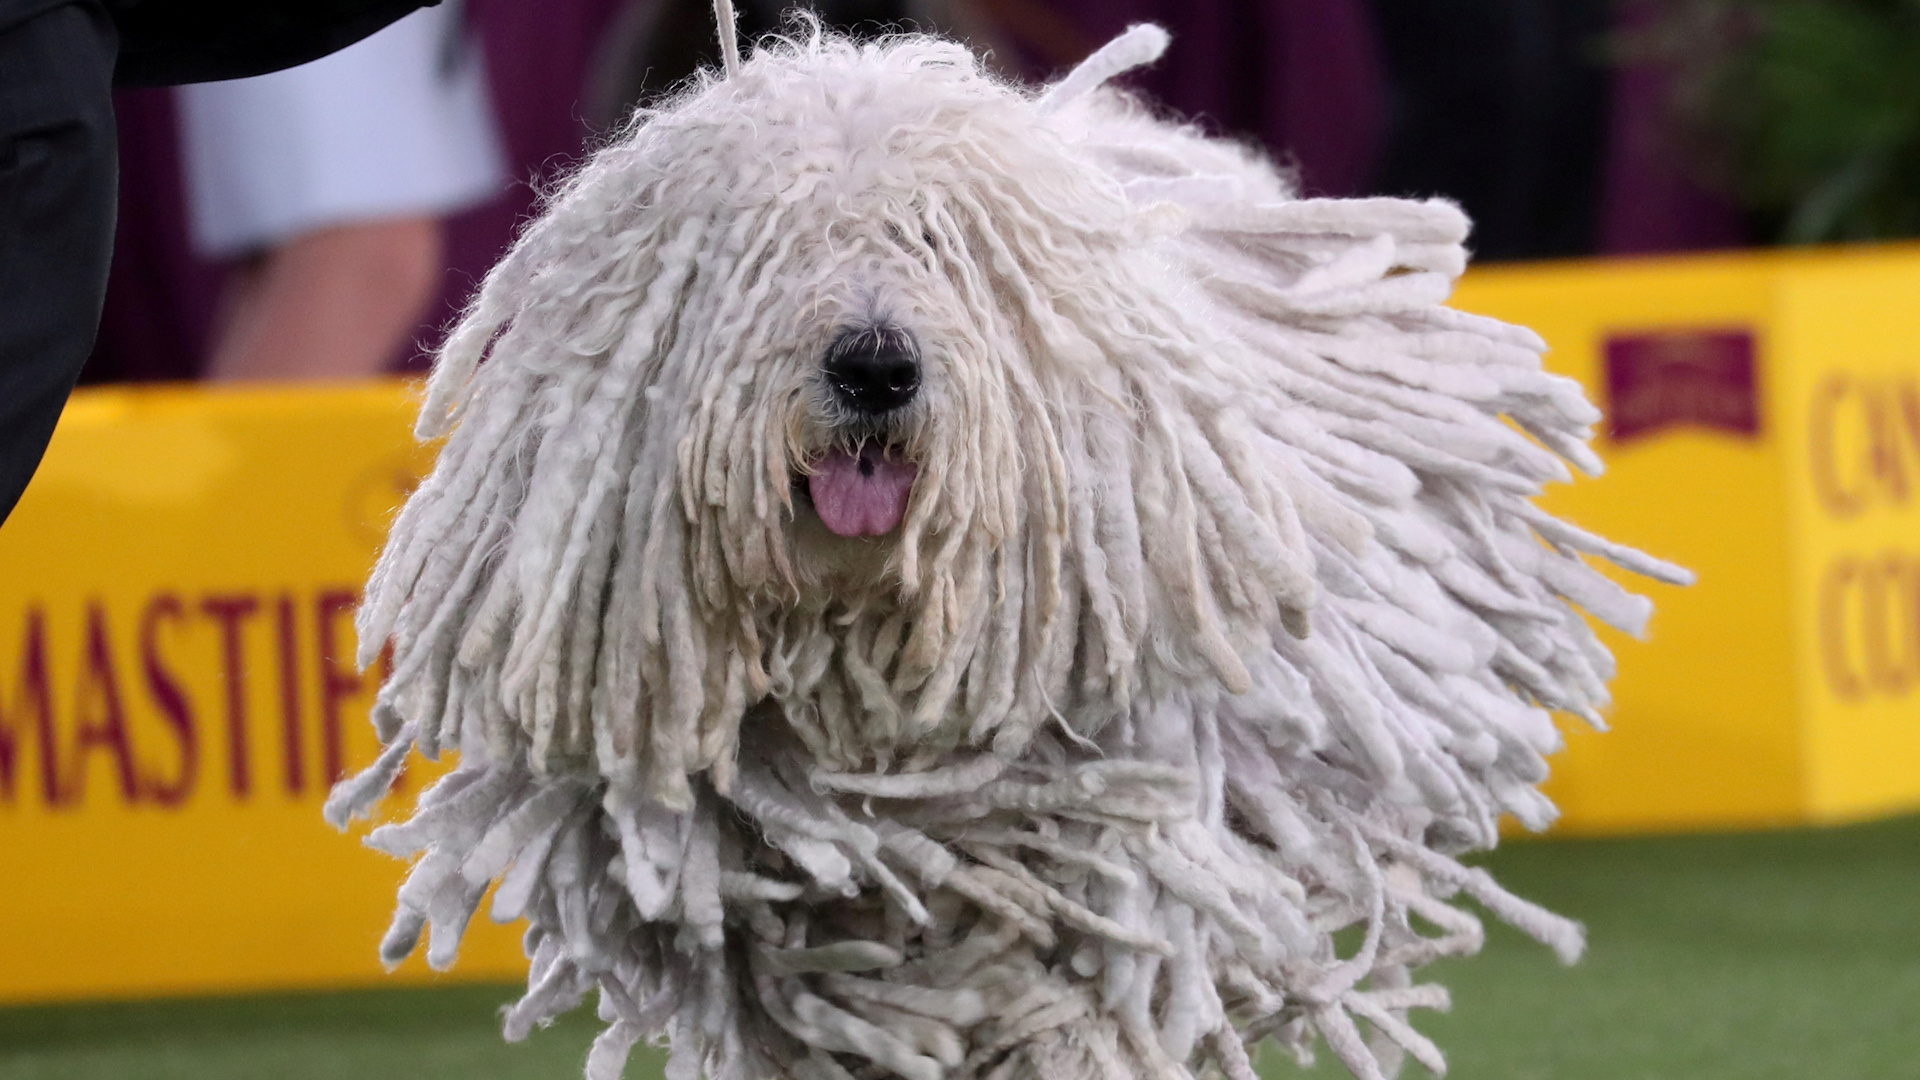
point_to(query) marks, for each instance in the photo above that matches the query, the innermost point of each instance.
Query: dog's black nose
(874, 369)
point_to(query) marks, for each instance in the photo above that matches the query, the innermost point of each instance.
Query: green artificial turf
(438, 1034)
(1784, 955)
(1767, 956)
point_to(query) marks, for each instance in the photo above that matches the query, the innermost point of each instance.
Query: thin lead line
(729, 36)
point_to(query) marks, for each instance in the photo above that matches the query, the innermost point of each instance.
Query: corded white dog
(942, 580)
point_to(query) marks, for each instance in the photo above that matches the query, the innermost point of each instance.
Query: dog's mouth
(860, 492)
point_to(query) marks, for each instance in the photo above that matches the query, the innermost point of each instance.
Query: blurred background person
(328, 184)
(59, 164)
(171, 312)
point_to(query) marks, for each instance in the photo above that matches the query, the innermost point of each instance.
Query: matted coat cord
(1181, 612)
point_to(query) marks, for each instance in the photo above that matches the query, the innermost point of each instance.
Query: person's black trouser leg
(59, 166)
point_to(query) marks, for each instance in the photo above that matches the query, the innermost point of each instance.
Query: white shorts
(396, 125)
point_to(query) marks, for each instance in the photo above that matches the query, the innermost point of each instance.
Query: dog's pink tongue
(863, 494)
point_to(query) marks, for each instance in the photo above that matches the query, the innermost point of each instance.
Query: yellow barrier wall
(1785, 686)
(177, 689)
(176, 593)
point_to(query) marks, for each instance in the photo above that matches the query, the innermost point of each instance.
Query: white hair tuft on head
(1141, 44)
(936, 579)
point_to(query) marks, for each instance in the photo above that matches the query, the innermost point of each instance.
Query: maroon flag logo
(1663, 378)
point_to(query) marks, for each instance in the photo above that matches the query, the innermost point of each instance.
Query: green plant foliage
(1807, 110)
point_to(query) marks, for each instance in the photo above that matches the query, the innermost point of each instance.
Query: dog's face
(898, 352)
(900, 412)
(866, 405)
